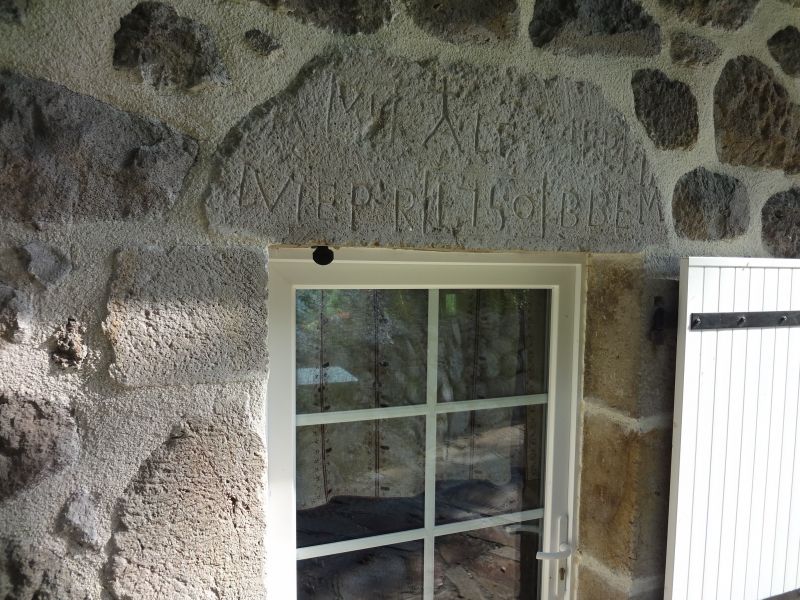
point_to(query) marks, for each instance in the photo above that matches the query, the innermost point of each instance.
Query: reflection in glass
(360, 348)
(492, 343)
(489, 462)
(385, 573)
(359, 479)
(495, 563)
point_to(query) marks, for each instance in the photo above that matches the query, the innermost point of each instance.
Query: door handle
(564, 551)
(520, 528)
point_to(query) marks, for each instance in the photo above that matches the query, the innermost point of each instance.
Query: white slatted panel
(734, 529)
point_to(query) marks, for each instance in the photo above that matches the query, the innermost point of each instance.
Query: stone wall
(150, 153)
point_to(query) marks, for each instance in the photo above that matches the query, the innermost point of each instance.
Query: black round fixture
(322, 255)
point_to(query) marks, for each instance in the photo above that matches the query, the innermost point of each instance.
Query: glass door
(420, 435)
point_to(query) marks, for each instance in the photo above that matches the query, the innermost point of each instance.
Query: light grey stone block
(188, 315)
(80, 520)
(364, 148)
(190, 522)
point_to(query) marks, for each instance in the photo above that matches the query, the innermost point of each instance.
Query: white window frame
(291, 269)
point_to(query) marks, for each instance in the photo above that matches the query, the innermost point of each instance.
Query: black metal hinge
(744, 320)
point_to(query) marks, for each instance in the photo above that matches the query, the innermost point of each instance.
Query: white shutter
(734, 523)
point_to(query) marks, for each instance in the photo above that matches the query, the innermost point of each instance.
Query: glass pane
(359, 479)
(492, 343)
(385, 573)
(489, 462)
(360, 348)
(495, 563)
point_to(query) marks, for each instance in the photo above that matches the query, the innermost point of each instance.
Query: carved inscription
(369, 148)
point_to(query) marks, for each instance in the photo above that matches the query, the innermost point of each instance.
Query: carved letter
(570, 205)
(358, 189)
(403, 213)
(252, 177)
(598, 208)
(497, 209)
(649, 204)
(523, 206)
(622, 212)
(444, 119)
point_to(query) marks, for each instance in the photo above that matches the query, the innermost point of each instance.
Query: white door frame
(290, 269)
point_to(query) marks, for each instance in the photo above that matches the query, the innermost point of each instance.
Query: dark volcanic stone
(342, 16)
(756, 122)
(261, 42)
(46, 264)
(13, 11)
(728, 14)
(780, 224)
(41, 570)
(667, 109)
(67, 157)
(36, 438)
(692, 50)
(595, 26)
(15, 313)
(167, 50)
(710, 206)
(466, 20)
(785, 49)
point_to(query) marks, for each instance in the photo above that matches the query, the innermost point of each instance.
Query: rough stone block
(466, 21)
(710, 206)
(784, 47)
(625, 496)
(261, 42)
(727, 14)
(79, 520)
(780, 224)
(189, 315)
(667, 109)
(15, 314)
(37, 438)
(595, 26)
(364, 147)
(692, 50)
(168, 51)
(613, 332)
(756, 122)
(657, 351)
(593, 586)
(47, 265)
(190, 522)
(66, 158)
(13, 11)
(342, 16)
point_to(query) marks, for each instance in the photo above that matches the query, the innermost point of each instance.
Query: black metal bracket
(744, 320)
